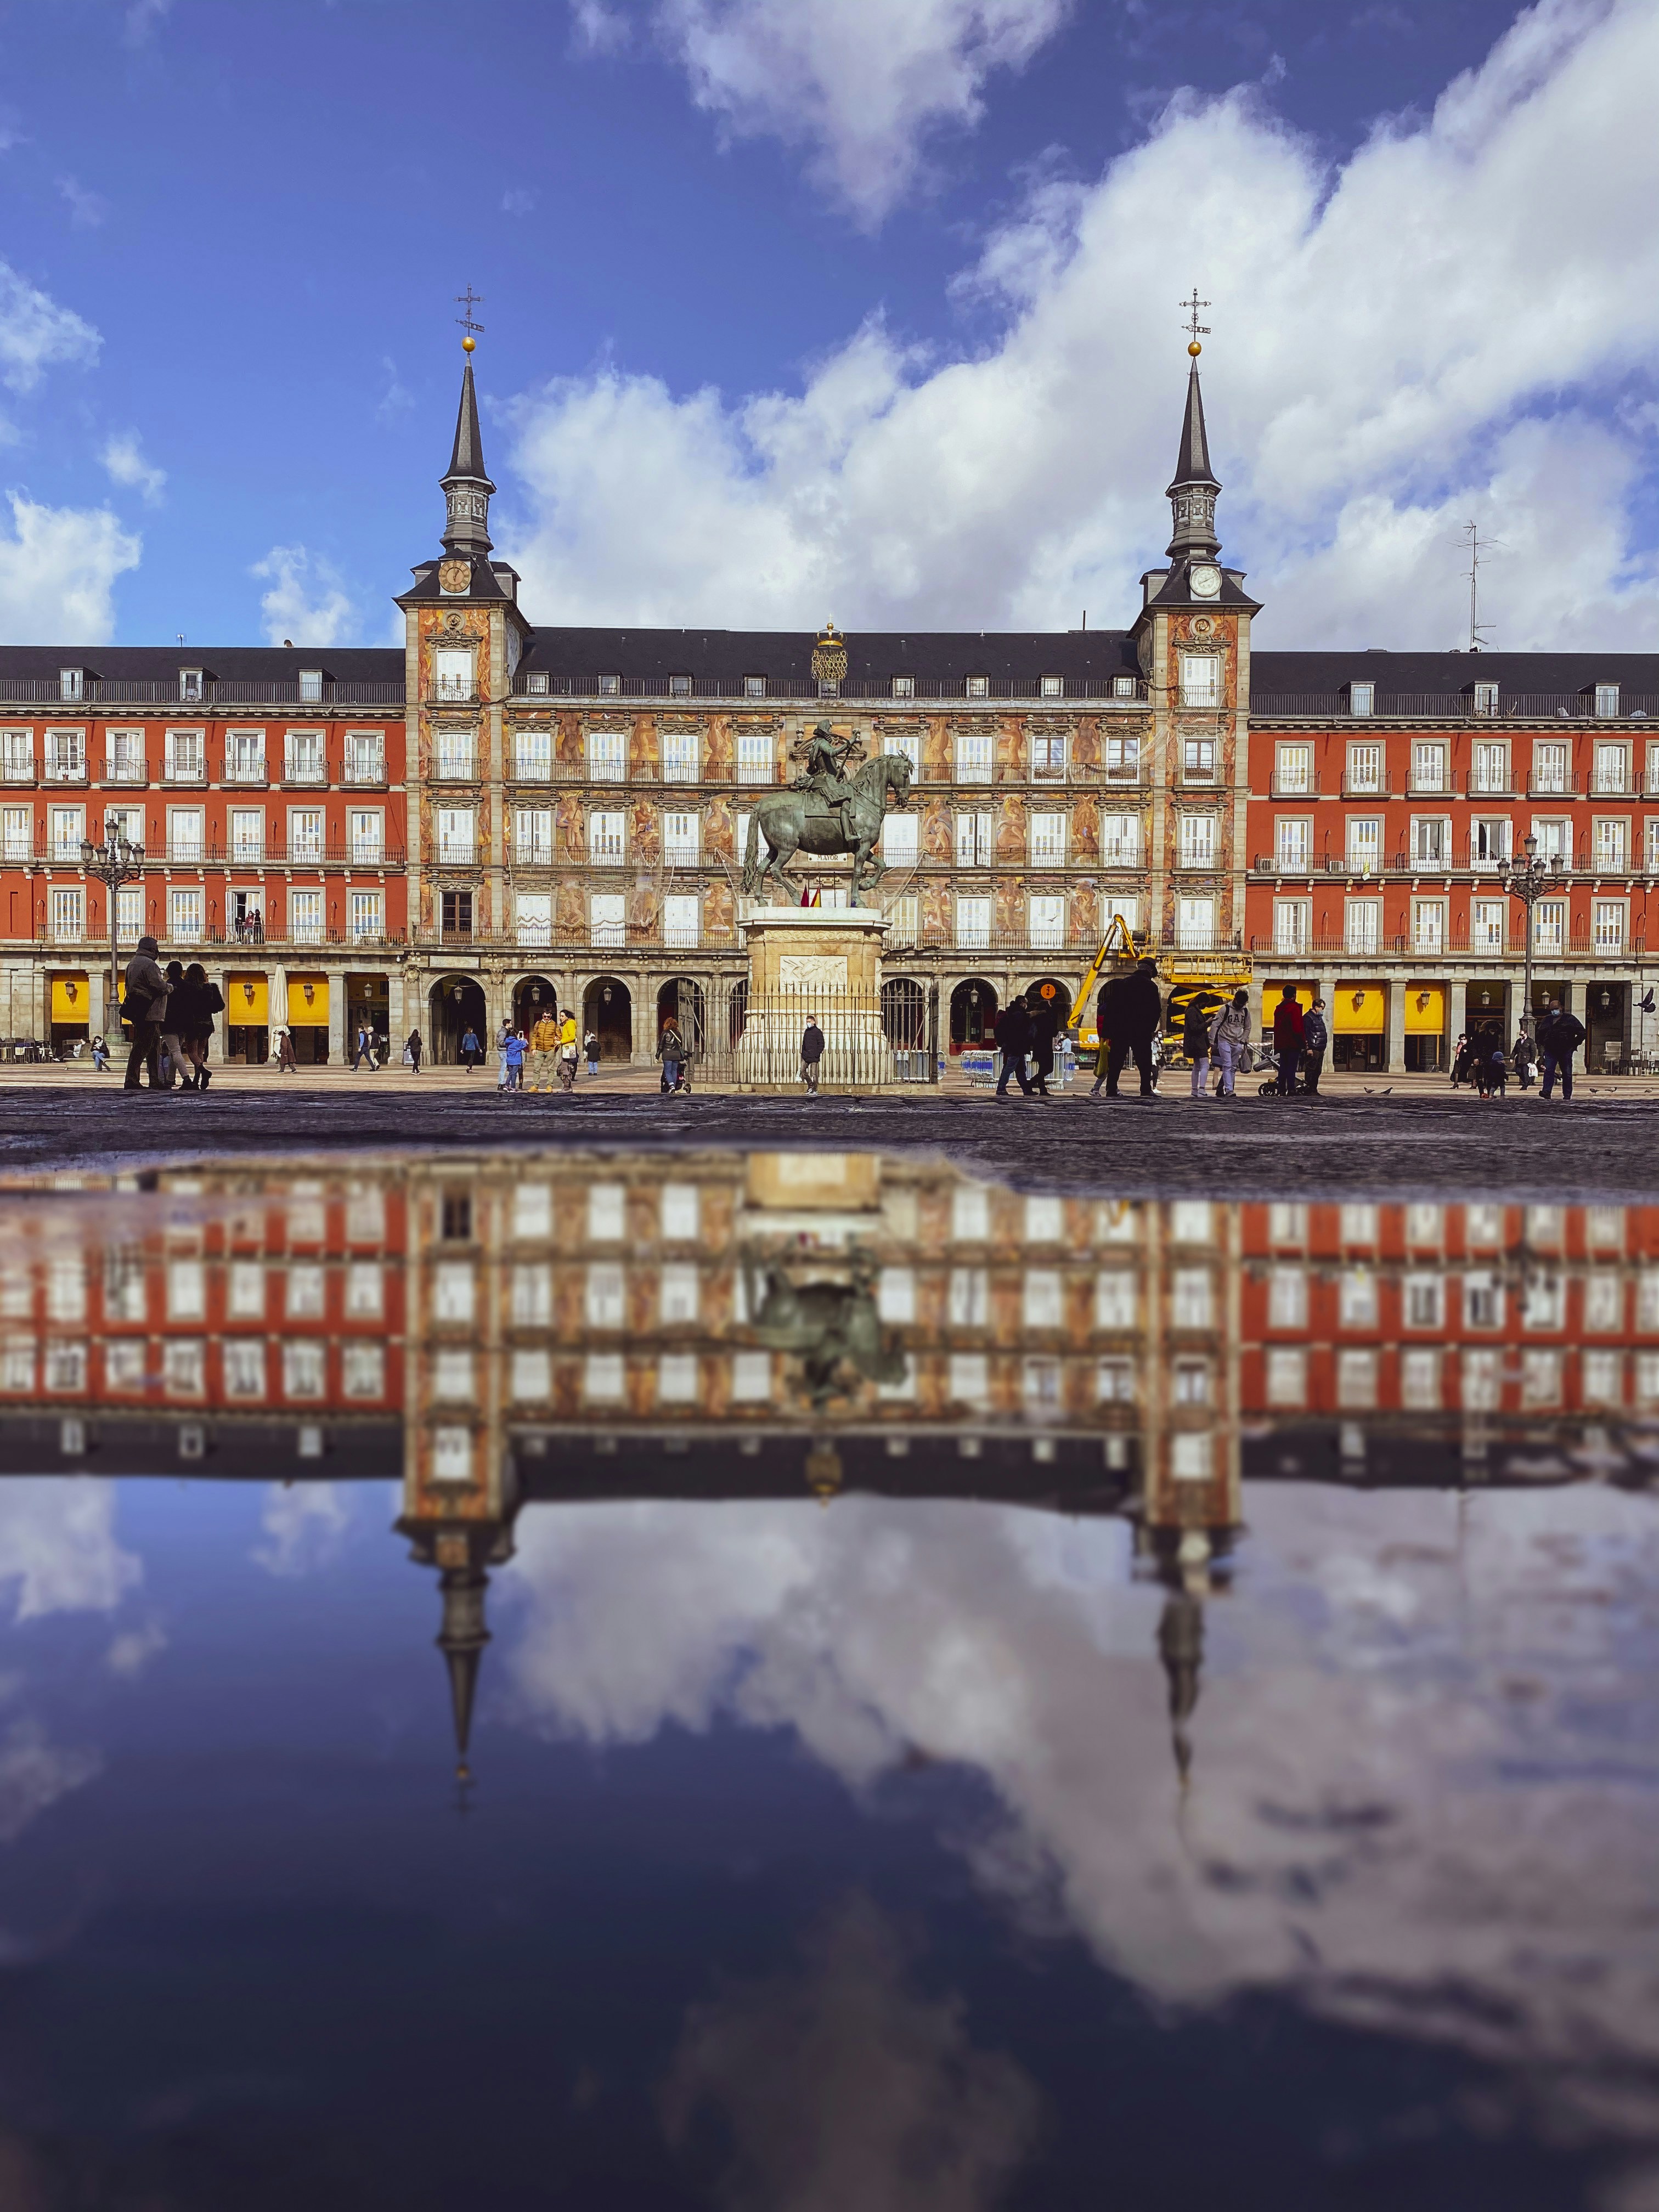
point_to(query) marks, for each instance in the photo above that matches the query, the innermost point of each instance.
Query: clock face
(454, 575)
(1204, 581)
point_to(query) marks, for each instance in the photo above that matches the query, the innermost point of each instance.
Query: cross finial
(1194, 328)
(469, 300)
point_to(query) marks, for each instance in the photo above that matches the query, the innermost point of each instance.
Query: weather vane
(469, 300)
(1196, 328)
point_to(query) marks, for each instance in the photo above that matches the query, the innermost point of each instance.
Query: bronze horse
(801, 821)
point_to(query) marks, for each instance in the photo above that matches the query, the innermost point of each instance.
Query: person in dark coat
(1013, 1034)
(811, 1052)
(1524, 1056)
(1131, 1014)
(1195, 1043)
(195, 1002)
(1315, 1038)
(1559, 1035)
(1042, 1047)
(1287, 1039)
(1462, 1062)
(412, 1047)
(145, 1006)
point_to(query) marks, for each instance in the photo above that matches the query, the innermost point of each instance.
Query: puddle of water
(942, 1698)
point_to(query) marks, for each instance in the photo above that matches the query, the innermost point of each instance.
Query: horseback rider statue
(827, 756)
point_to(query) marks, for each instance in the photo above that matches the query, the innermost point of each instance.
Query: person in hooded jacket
(1559, 1035)
(1229, 1038)
(1287, 1039)
(1130, 1013)
(1316, 1040)
(194, 1004)
(145, 1006)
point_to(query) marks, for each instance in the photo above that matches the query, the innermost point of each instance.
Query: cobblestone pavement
(1604, 1144)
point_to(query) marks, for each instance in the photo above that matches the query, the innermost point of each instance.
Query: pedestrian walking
(472, 1050)
(671, 1049)
(1042, 1048)
(412, 1051)
(1287, 1039)
(1461, 1062)
(1132, 1014)
(1316, 1041)
(543, 1052)
(172, 1049)
(1195, 1043)
(1559, 1035)
(1524, 1057)
(144, 1007)
(811, 1052)
(1013, 1037)
(191, 1013)
(364, 1048)
(503, 1080)
(568, 1054)
(285, 1060)
(516, 1060)
(590, 1051)
(1229, 1042)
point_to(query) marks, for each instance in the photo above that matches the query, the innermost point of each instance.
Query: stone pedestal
(823, 964)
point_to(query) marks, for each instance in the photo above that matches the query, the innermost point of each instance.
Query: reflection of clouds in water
(34, 1773)
(1426, 1755)
(57, 1545)
(842, 2086)
(307, 1525)
(131, 1651)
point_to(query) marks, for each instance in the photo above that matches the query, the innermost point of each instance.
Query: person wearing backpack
(1559, 1035)
(1230, 1041)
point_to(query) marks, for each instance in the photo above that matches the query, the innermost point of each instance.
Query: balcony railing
(225, 691)
(1448, 706)
(1099, 691)
(1454, 945)
(1379, 786)
(41, 852)
(95, 945)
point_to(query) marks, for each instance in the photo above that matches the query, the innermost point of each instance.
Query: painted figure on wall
(1011, 830)
(1086, 743)
(935, 913)
(1085, 830)
(568, 826)
(567, 745)
(572, 913)
(1083, 914)
(643, 906)
(936, 752)
(642, 752)
(719, 913)
(647, 836)
(717, 828)
(936, 832)
(1010, 751)
(720, 746)
(1009, 918)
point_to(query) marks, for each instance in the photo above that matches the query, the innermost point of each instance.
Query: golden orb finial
(469, 342)
(1194, 349)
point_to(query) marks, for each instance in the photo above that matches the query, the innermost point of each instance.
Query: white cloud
(1445, 324)
(597, 29)
(57, 572)
(87, 209)
(58, 1546)
(122, 457)
(36, 334)
(35, 1773)
(861, 84)
(131, 1651)
(306, 601)
(306, 1524)
(143, 17)
(518, 200)
(397, 400)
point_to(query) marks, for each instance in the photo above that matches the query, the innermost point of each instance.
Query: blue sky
(803, 307)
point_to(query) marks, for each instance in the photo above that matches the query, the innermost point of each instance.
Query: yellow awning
(1272, 993)
(1425, 1009)
(307, 1002)
(71, 1000)
(1360, 1008)
(247, 1002)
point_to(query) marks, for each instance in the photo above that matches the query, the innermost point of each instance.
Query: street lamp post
(1527, 881)
(118, 861)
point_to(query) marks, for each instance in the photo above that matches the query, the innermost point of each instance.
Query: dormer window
(311, 686)
(1123, 687)
(1052, 687)
(979, 687)
(535, 682)
(190, 683)
(1362, 698)
(1486, 698)
(904, 687)
(754, 687)
(679, 687)
(610, 686)
(71, 684)
(1607, 701)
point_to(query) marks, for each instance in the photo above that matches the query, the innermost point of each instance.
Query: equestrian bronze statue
(826, 811)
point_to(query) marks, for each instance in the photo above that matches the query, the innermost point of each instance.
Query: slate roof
(725, 657)
(1517, 675)
(262, 664)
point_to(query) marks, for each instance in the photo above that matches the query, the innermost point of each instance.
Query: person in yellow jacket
(543, 1047)
(567, 1042)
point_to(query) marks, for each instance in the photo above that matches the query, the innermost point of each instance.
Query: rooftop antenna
(1479, 548)
(469, 300)
(180, 636)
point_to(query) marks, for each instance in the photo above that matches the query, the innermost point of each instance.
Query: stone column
(338, 1053)
(1457, 1013)
(1394, 1050)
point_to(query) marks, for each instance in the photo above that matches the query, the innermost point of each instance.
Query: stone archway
(607, 1011)
(904, 1013)
(682, 997)
(454, 1005)
(1053, 996)
(532, 997)
(973, 1013)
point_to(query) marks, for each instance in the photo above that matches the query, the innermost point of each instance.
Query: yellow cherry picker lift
(1209, 977)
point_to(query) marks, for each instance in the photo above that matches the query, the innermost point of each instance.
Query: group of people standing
(1545, 1048)
(170, 1014)
(1026, 1031)
(543, 1057)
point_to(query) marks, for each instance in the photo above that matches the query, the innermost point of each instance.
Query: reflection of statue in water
(829, 1325)
(1181, 1647)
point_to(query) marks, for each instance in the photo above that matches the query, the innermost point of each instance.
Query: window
(1123, 687)
(1195, 840)
(533, 756)
(1123, 758)
(533, 836)
(899, 845)
(1365, 769)
(1652, 862)
(456, 831)
(305, 917)
(904, 687)
(975, 837)
(533, 917)
(679, 757)
(184, 916)
(978, 687)
(1287, 1299)
(17, 756)
(681, 920)
(1362, 698)
(1544, 1303)
(454, 761)
(17, 832)
(452, 669)
(1292, 925)
(368, 916)
(607, 755)
(1429, 767)
(606, 918)
(129, 916)
(1357, 1224)
(366, 835)
(1487, 926)
(1048, 921)
(1051, 687)
(1363, 925)
(610, 686)
(66, 756)
(973, 923)
(1607, 925)
(304, 762)
(1048, 759)
(1611, 768)
(68, 827)
(1554, 838)
(365, 757)
(1550, 926)
(1425, 1225)
(1429, 925)
(190, 683)
(244, 756)
(1486, 698)
(969, 1303)
(456, 911)
(755, 756)
(1604, 1302)
(1549, 771)
(1357, 1299)
(304, 833)
(1294, 771)
(1489, 840)
(247, 833)
(123, 757)
(679, 687)
(71, 684)
(1431, 841)
(606, 837)
(1356, 1379)
(1491, 771)
(974, 756)
(1195, 924)
(311, 685)
(1609, 846)
(304, 1369)
(681, 839)
(66, 913)
(1198, 760)
(1287, 1376)
(1120, 840)
(186, 834)
(1192, 1300)
(1365, 843)
(185, 756)
(535, 683)
(754, 687)
(1048, 840)
(1201, 679)
(1606, 701)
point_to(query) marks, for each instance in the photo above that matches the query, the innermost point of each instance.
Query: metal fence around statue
(869, 1042)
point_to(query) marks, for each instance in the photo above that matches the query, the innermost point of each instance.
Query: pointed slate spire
(462, 1639)
(1192, 494)
(466, 487)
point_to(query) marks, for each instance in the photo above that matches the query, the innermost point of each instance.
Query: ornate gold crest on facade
(830, 656)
